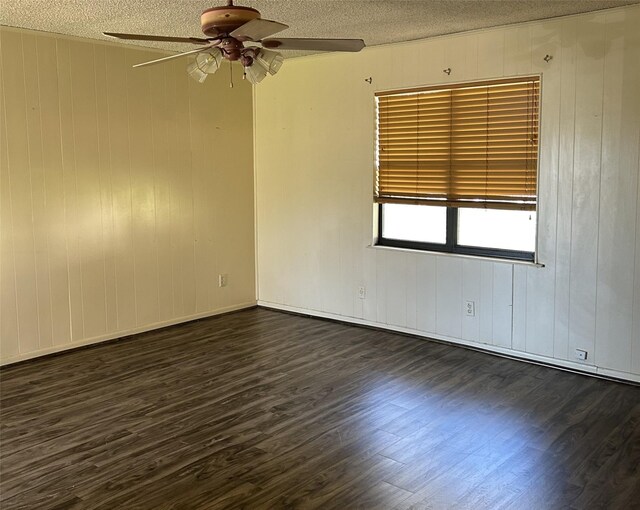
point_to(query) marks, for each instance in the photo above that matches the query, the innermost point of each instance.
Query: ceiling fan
(227, 30)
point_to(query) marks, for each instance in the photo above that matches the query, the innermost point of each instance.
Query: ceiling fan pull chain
(230, 75)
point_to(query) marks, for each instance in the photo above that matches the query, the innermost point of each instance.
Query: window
(457, 168)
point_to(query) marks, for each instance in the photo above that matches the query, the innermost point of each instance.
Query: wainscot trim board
(120, 335)
(590, 370)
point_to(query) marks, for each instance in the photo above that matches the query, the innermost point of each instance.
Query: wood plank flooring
(260, 409)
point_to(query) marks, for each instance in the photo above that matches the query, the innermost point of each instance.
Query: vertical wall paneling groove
(106, 204)
(519, 314)
(121, 189)
(37, 184)
(112, 189)
(69, 184)
(545, 40)
(184, 264)
(175, 159)
(162, 190)
(142, 178)
(370, 282)
(203, 217)
(635, 335)
(426, 285)
(449, 296)
(9, 324)
(455, 58)
(88, 224)
(586, 182)
(15, 107)
(396, 288)
(566, 167)
(55, 193)
(490, 54)
(485, 310)
(411, 294)
(585, 296)
(381, 276)
(502, 303)
(471, 291)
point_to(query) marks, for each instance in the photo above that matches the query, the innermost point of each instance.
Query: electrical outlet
(362, 292)
(470, 308)
(222, 280)
(581, 355)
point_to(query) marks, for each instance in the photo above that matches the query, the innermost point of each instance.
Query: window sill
(458, 255)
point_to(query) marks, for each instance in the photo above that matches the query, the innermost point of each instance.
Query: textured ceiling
(375, 21)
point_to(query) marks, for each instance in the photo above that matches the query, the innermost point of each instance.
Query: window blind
(468, 145)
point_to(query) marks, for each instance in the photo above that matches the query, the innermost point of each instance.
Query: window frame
(451, 246)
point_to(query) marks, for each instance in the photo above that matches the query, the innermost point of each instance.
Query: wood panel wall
(315, 168)
(124, 193)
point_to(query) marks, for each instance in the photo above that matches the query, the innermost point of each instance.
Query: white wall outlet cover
(581, 355)
(470, 308)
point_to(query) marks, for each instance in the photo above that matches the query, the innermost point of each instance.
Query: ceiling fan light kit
(205, 63)
(255, 73)
(271, 60)
(227, 29)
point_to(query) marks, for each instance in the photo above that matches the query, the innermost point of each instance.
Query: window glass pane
(495, 228)
(422, 223)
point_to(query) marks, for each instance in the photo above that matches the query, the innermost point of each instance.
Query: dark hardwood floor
(260, 409)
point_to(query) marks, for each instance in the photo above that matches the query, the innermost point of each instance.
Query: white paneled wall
(314, 129)
(124, 193)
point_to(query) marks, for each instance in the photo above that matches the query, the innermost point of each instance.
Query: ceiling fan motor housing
(232, 48)
(224, 20)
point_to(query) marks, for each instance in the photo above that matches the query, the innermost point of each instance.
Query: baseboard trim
(590, 370)
(121, 335)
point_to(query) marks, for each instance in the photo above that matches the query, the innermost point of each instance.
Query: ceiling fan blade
(314, 44)
(164, 38)
(257, 29)
(171, 57)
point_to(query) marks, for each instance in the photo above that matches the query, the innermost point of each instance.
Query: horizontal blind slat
(471, 143)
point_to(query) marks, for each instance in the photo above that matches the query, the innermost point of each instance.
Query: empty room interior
(365, 254)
